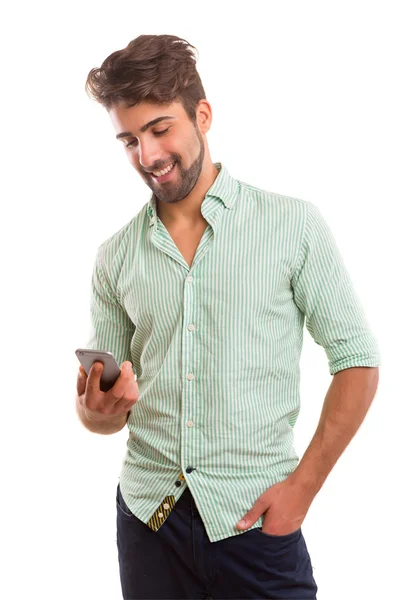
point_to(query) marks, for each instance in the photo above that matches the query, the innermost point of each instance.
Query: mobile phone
(111, 370)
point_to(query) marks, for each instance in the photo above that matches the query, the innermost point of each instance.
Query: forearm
(105, 426)
(346, 404)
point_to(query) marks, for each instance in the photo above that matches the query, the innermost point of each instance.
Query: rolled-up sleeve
(324, 293)
(111, 329)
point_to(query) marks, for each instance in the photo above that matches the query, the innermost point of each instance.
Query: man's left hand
(284, 506)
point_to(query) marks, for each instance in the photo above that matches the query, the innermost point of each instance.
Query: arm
(346, 404)
(324, 293)
(285, 504)
(111, 330)
(111, 327)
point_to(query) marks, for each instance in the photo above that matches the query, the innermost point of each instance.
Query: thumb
(251, 516)
(97, 369)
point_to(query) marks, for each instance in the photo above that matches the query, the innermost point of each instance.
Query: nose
(149, 153)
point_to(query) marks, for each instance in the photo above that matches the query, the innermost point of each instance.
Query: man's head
(155, 76)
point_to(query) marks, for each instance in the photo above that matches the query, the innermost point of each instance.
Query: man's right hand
(101, 406)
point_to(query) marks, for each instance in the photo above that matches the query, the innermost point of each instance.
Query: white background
(305, 103)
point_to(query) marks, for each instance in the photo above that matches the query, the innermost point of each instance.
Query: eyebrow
(143, 128)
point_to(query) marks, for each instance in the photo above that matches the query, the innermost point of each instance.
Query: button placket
(179, 481)
(189, 390)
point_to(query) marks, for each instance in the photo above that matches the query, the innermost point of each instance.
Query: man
(205, 292)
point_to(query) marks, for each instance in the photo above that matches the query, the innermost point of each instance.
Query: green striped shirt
(216, 346)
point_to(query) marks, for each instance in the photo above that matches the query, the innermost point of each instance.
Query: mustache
(148, 172)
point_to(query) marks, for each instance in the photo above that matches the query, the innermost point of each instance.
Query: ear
(204, 115)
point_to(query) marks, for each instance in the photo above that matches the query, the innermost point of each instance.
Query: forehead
(135, 117)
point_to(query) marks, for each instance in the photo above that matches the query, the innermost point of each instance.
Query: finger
(252, 515)
(81, 381)
(123, 385)
(123, 406)
(128, 407)
(93, 380)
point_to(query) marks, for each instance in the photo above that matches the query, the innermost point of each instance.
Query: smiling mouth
(165, 177)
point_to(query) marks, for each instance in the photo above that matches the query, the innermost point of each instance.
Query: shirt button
(189, 423)
(189, 279)
(190, 469)
(160, 515)
(166, 506)
(178, 483)
(191, 327)
(190, 376)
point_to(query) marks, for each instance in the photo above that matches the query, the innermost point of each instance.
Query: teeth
(164, 171)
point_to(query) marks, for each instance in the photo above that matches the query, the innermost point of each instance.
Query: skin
(179, 200)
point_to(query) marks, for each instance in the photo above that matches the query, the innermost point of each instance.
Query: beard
(171, 192)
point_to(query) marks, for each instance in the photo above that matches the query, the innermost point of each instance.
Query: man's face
(175, 140)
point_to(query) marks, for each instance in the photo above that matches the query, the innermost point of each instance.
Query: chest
(187, 239)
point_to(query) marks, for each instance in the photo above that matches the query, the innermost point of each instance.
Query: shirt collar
(225, 187)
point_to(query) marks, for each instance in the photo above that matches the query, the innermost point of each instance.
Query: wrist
(306, 482)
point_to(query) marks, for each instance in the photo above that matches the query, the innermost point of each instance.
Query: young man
(205, 292)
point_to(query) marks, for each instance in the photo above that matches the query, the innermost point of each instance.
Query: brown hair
(158, 69)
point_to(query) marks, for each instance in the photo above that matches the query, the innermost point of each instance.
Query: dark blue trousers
(179, 561)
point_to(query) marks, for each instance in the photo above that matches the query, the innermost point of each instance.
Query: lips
(169, 167)
(163, 178)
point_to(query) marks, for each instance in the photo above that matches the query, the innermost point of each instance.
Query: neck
(188, 210)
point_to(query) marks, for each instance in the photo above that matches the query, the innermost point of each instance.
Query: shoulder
(125, 236)
(289, 206)
(113, 251)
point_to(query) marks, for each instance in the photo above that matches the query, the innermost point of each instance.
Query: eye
(155, 133)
